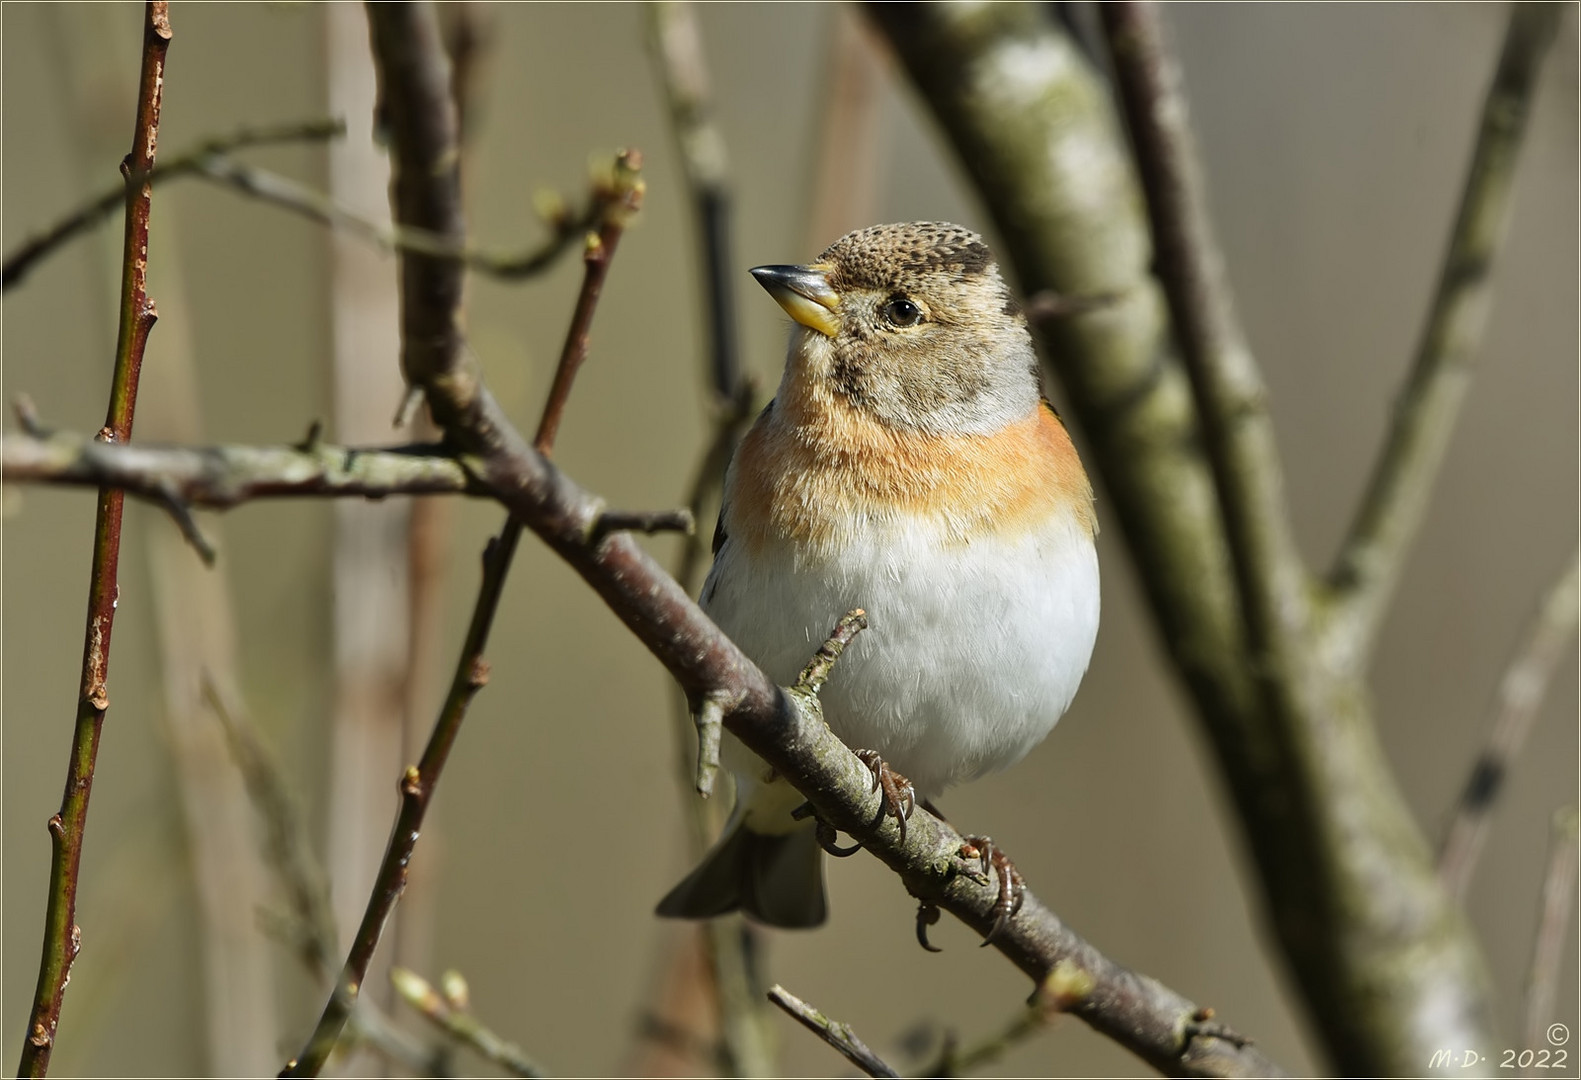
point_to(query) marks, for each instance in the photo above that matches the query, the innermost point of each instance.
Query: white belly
(972, 651)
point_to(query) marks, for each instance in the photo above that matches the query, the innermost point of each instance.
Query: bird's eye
(902, 312)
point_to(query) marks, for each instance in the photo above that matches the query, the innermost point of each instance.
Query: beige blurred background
(1334, 139)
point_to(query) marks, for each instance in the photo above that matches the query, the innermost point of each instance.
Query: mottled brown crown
(887, 257)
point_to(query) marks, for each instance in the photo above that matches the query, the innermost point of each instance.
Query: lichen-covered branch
(836, 1034)
(1386, 962)
(62, 936)
(220, 477)
(1391, 511)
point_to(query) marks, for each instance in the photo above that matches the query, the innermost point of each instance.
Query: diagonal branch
(1228, 388)
(62, 936)
(836, 1034)
(21, 261)
(1390, 515)
(1521, 691)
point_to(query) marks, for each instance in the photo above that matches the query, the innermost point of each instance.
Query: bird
(909, 465)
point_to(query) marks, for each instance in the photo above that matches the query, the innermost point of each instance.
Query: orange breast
(814, 467)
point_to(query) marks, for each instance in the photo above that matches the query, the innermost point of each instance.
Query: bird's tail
(777, 880)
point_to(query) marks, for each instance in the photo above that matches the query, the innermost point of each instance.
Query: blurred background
(1334, 139)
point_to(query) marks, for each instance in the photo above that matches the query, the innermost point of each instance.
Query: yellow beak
(804, 293)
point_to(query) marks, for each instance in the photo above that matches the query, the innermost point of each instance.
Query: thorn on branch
(314, 438)
(836, 1034)
(27, 416)
(181, 513)
(816, 673)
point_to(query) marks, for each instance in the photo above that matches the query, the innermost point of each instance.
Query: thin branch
(19, 262)
(62, 936)
(449, 1013)
(1390, 514)
(677, 47)
(1548, 945)
(221, 477)
(836, 1034)
(817, 671)
(1521, 692)
(288, 194)
(1225, 381)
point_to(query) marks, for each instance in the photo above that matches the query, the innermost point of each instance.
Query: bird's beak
(804, 293)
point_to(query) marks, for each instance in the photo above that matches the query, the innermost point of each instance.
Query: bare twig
(62, 936)
(1391, 511)
(814, 675)
(285, 842)
(678, 53)
(19, 262)
(450, 1014)
(1548, 946)
(1521, 691)
(288, 194)
(836, 1034)
(220, 477)
(1225, 381)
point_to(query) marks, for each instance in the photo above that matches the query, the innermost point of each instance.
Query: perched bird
(909, 466)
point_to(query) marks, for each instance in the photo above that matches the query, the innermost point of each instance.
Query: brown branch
(1391, 512)
(677, 48)
(21, 261)
(450, 1014)
(836, 1034)
(1521, 691)
(62, 936)
(1548, 944)
(425, 191)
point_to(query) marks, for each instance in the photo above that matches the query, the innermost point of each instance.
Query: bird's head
(911, 324)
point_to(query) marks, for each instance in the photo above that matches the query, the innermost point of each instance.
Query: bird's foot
(899, 797)
(990, 859)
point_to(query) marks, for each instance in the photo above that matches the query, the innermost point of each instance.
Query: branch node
(816, 673)
(643, 521)
(411, 783)
(314, 438)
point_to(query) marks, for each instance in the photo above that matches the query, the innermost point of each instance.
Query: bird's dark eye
(902, 312)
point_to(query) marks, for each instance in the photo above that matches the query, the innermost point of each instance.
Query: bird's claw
(991, 860)
(927, 915)
(899, 797)
(826, 834)
(828, 839)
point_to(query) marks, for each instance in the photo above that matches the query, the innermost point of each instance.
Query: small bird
(910, 466)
